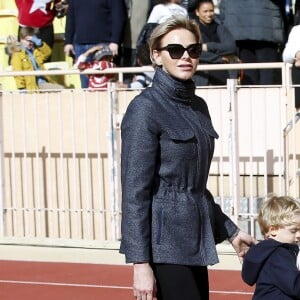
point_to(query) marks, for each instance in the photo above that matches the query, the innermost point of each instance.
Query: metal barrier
(294, 160)
(61, 160)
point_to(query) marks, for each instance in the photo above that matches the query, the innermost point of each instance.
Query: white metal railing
(60, 153)
(133, 70)
(295, 165)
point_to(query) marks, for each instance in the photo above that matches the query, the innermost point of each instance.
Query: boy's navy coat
(167, 145)
(272, 267)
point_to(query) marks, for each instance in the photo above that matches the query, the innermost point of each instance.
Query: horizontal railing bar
(118, 70)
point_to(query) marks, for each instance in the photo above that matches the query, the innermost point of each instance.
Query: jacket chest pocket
(179, 144)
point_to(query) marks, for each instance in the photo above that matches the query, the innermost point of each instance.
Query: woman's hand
(144, 284)
(241, 243)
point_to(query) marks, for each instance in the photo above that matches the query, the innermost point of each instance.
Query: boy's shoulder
(262, 250)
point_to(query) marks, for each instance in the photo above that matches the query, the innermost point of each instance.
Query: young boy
(271, 264)
(29, 55)
(102, 59)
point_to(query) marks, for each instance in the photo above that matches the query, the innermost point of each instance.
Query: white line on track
(102, 286)
(65, 284)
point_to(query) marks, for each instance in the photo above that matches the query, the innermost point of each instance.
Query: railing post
(234, 147)
(113, 162)
(290, 172)
(1, 167)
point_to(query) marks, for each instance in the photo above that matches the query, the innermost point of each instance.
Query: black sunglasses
(176, 50)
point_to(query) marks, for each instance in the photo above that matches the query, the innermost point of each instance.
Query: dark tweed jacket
(167, 145)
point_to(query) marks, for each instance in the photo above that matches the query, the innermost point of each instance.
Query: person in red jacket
(40, 14)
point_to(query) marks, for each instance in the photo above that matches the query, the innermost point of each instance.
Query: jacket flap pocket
(208, 127)
(210, 130)
(180, 134)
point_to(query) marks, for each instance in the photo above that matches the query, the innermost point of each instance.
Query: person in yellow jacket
(29, 55)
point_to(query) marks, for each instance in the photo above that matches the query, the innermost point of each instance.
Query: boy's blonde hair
(277, 211)
(27, 31)
(178, 22)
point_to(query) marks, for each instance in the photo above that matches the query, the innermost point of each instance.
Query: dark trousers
(259, 52)
(177, 282)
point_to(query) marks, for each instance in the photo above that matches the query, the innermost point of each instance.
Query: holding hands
(241, 244)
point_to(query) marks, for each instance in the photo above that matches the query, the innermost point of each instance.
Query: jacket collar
(180, 91)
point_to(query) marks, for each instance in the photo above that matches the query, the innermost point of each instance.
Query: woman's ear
(156, 56)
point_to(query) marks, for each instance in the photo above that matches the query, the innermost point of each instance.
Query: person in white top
(291, 54)
(165, 9)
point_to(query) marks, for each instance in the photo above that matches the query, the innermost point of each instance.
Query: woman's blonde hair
(277, 211)
(169, 25)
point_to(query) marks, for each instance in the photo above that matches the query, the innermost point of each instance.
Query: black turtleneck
(209, 32)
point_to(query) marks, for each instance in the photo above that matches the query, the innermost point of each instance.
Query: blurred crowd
(232, 31)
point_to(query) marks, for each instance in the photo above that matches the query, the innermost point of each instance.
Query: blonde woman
(170, 222)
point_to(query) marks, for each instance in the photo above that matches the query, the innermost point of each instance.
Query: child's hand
(81, 59)
(241, 244)
(35, 40)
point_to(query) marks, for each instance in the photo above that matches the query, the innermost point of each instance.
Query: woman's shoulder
(158, 8)
(142, 111)
(200, 103)
(157, 11)
(143, 101)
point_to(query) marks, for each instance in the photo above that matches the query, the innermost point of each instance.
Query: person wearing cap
(102, 59)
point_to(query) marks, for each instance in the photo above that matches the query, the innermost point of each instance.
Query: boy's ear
(273, 230)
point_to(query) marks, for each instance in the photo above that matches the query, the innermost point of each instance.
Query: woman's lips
(186, 67)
